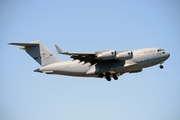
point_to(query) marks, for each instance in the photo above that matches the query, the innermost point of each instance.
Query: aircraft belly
(112, 66)
(76, 68)
(67, 68)
(148, 63)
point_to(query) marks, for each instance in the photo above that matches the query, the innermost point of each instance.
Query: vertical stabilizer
(38, 52)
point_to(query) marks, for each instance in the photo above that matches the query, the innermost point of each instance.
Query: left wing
(86, 57)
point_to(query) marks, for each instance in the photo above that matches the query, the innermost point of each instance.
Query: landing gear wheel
(161, 66)
(108, 78)
(115, 77)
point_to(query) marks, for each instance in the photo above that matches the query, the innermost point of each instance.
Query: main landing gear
(108, 76)
(115, 77)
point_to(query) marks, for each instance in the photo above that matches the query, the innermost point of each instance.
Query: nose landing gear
(161, 66)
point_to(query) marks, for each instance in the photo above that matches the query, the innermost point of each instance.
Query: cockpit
(160, 50)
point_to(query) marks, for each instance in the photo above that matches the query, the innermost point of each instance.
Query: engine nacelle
(111, 54)
(124, 55)
(107, 55)
(135, 70)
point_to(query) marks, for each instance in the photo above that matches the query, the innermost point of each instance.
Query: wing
(86, 57)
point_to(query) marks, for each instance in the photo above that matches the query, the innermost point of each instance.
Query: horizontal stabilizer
(24, 44)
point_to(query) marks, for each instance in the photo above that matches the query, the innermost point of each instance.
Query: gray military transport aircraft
(108, 63)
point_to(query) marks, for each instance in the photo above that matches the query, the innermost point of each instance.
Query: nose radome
(168, 54)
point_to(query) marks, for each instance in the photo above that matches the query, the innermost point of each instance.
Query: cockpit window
(160, 50)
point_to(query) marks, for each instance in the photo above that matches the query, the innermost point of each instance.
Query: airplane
(101, 64)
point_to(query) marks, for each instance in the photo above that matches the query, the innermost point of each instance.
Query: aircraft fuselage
(142, 58)
(108, 63)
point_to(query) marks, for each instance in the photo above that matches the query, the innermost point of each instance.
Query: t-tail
(38, 52)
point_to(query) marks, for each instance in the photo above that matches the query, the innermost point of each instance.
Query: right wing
(99, 56)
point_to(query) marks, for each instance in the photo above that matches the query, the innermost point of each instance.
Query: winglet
(58, 49)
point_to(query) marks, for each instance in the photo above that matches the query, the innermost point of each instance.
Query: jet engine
(107, 55)
(111, 54)
(124, 55)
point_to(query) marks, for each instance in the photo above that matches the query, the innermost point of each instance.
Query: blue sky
(87, 26)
